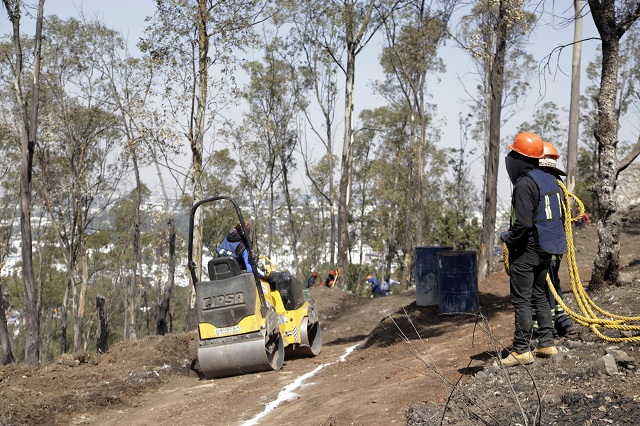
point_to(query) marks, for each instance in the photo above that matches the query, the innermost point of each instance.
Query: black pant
(528, 288)
(562, 321)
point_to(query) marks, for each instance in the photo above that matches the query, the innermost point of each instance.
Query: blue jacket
(375, 285)
(549, 219)
(232, 246)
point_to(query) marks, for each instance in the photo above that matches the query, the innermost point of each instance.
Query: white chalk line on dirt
(287, 394)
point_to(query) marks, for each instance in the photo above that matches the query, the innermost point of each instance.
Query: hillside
(446, 360)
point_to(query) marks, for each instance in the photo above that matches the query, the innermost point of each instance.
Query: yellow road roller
(247, 324)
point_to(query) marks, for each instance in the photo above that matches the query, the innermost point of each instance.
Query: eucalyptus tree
(79, 169)
(413, 36)
(362, 215)
(197, 43)
(313, 232)
(155, 141)
(390, 186)
(612, 19)
(126, 216)
(135, 88)
(220, 218)
(273, 102)
(494, 34)
(460, 193)
(26, 84)
(9, 175)
(127, 83)
(322, 211)
(318, 79)
(353, 22)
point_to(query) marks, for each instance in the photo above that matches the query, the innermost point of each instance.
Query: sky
(128, 17)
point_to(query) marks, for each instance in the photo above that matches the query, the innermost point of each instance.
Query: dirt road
(362, 377)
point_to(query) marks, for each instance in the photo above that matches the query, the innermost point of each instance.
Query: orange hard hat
(549, 162)
(239, 226)
(368, 277)
(528, 144)
(550, 151)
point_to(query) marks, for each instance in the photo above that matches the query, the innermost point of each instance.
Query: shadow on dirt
(424, 322)
(343, 340)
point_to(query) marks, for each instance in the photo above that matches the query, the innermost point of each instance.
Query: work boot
(547, 352)
(515, 358)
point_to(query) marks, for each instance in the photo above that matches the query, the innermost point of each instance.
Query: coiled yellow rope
(588, 318)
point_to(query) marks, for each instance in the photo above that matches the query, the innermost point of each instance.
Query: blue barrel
(427, 275)
(458, 277)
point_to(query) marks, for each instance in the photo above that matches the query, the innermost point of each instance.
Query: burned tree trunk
(5, 344)
(102, 334)
(611, 28)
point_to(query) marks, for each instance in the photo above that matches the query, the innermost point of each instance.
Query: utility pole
(574, 106)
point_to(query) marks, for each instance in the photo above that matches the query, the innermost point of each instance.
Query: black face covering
(517, 164)
(510, 165)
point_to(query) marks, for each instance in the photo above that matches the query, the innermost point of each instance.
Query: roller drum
(243, 357)
(310, 340)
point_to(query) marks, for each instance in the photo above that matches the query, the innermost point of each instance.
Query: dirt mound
(74, 383)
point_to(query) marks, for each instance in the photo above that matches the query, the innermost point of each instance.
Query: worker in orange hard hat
(549, 160)
(312, 279)
(330, 279)
(376, 290)
(528, 144)
(536, 233)
(562, 323)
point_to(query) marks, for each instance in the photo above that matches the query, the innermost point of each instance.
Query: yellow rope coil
(588, 317)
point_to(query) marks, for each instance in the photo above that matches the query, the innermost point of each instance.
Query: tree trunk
(420, 154)
(332, 204)
(496, 81)
(391, 233)
(353, 39)
(344, 201)
(165, 304)
(292, 224)
(197, 143)
(102, 334)
(607, 262)
(63, 319)
(132, 293)
(28, 141)
(574, 105)
(5, 343)
(408, 247)
(78, 322)
(611, 28)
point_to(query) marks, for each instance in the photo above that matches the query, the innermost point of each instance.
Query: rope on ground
(587, 317)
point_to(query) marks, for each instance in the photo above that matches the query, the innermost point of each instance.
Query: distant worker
(563, 324)
(535, 234)
(312, 279)
(385, 287)
(330, 279)
(585, 219)
(376, 290)
(232, 245)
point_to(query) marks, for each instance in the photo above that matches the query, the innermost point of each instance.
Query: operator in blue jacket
(376, 290)
(232, 245)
